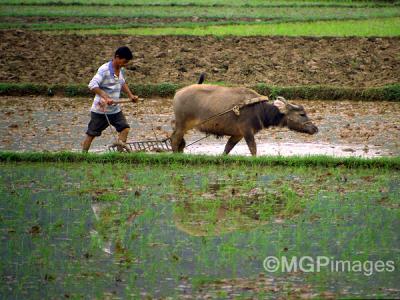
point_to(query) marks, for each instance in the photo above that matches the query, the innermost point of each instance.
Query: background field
(202, 36)
(370, 27)
(186, 17)
(256, 3)
(274, 13)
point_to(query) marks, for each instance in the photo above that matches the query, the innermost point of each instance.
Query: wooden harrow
(143, 146)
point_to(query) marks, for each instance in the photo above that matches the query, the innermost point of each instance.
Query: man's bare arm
(125, 88)
(103, 95)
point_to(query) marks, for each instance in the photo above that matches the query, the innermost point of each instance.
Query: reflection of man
(111, 225)
(107, 85)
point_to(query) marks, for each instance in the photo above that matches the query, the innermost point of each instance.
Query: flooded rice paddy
(114, 231)
(365, 129)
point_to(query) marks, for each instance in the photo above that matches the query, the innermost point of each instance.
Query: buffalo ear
(281, 106)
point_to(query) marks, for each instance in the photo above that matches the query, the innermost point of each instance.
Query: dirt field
(345, 128)
(357, 62)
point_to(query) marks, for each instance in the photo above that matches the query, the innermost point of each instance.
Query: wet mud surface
(28, 56)
(346, 128)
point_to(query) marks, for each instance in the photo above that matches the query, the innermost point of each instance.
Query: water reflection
(188, 232)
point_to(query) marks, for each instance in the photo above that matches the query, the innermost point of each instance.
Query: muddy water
(157, 239)
(297, 149)
(366, 129)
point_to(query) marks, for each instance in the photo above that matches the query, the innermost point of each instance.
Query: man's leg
(118, 120)
(123, 135)
(87, 142)
(97, 124)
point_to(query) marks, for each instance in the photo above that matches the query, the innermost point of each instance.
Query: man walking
(107, 85)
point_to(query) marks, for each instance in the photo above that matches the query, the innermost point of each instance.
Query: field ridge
(187, 159)
(312, 92)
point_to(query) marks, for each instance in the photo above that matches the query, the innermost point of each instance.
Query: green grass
(185, 159)
(212, 3)
(276, 13)
(362, 28)
(225, 20)
(143, 90)
(254, 27)
(384, 93)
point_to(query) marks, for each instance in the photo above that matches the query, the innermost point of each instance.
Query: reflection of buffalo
(202, 222)
(197, 103)
(215, 213)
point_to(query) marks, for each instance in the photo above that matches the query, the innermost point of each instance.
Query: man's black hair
(124, 52)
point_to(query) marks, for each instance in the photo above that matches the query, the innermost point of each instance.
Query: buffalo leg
(251, 143)
(177, 141)
(233, 140)
(182, 145)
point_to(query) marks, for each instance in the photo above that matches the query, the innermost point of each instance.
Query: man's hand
(109, 101)
(134, 98)
(131, 96)
(104, 102)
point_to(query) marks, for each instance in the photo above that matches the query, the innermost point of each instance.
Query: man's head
(122, 56)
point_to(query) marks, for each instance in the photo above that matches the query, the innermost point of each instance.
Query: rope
(204, 137)
(109, 124)
(117, 140)
(234, 109)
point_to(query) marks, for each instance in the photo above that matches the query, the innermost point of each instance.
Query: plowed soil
(27, 56)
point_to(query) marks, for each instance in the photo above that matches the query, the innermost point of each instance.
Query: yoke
(236, 108)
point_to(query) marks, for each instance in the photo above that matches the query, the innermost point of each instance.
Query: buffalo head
(295, 117)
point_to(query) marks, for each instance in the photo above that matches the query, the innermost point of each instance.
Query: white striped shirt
(110, 83)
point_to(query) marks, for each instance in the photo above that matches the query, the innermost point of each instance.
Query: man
(107, 85)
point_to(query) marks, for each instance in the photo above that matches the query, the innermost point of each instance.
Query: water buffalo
(197, 103)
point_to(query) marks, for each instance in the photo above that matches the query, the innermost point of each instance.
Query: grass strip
(320, 92)
(25, 89)
(186, 159)
(384, 93)
(377, 27)
(254, 25)
(206, 3)
(283, 13)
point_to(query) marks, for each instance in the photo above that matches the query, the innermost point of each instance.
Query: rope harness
(235, 109)
(165, 144)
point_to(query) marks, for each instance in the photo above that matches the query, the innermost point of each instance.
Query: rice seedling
(344, 28)
(281, 13)
(173, 228)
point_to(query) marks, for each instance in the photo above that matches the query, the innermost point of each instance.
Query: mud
(345, 128)
(28, 56)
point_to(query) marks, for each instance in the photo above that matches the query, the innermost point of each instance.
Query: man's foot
(121, 146)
